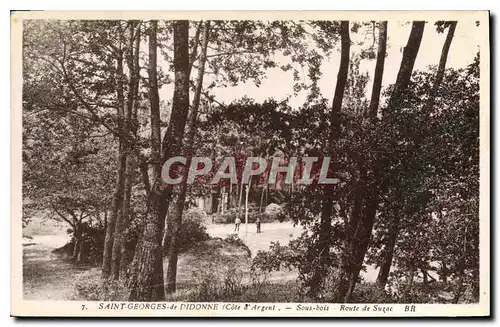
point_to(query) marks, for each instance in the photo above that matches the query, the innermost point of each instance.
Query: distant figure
(258, 225)
(237, 223)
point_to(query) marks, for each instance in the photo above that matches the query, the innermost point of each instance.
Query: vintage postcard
(250, 164)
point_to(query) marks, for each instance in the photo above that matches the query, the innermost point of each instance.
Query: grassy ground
(48, 276)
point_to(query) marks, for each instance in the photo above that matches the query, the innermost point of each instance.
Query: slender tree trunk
(240, 197)
(218, 211)
(443, 272)
(122, 219)
(326, 215)
(76, 246)
(341, 82)
(346, 259)
(117, 264)
(406, 68)
(385, 267)
(116, 204)
(182, 189)
(394, 229)
(124, 260)
(459, 289)
(230, 196)
(379, 69)
(223, 199)
(361, 241)
(132, 108)
(442, 65)
(365, 226)
(146, 282)
(425, 275)
(267, 194)
(79, 252)
(83, 252)
(105, 220)
(461, 270)
(262, 197)
(249, 185)
(411, 279)
(117, 201)
(475, 282)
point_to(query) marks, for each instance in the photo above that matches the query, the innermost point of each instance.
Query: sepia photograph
(292, 164)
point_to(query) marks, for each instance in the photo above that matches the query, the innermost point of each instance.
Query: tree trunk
(406, 68)
(461, 270)
(105, 220)
(411, 278)
(223, 200)
(146, 281)
(394, 228)
(361, 241)
(442, 65)
(425, 275)
(379, 69)
(326, 214)
(129, 128)
(353, 259)
(249, 185)
(459, 290)
(385, 267)
(240, 197)
(262, 197)
(363, 233)
(230, 196)
(266, 202)
(124, 260)
(76, 246)
(83, 252)
(182, 188)
(117, 239)
(443, 272)
(117, 201)
(341, 82)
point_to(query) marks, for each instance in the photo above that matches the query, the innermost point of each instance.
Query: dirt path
(46, 276)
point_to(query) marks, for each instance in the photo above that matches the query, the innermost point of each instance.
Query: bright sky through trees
(278, 83)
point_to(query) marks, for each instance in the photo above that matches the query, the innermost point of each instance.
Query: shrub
(258, 279)
(234, 240)
(278, 257)
(370, 293)
(192, 230)
(274, 292)
(207, 285)
(275, 212)
(233, 283)
(278, 196)
(92, 244)
(107, 290)
(212, 284)
(273, 209)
